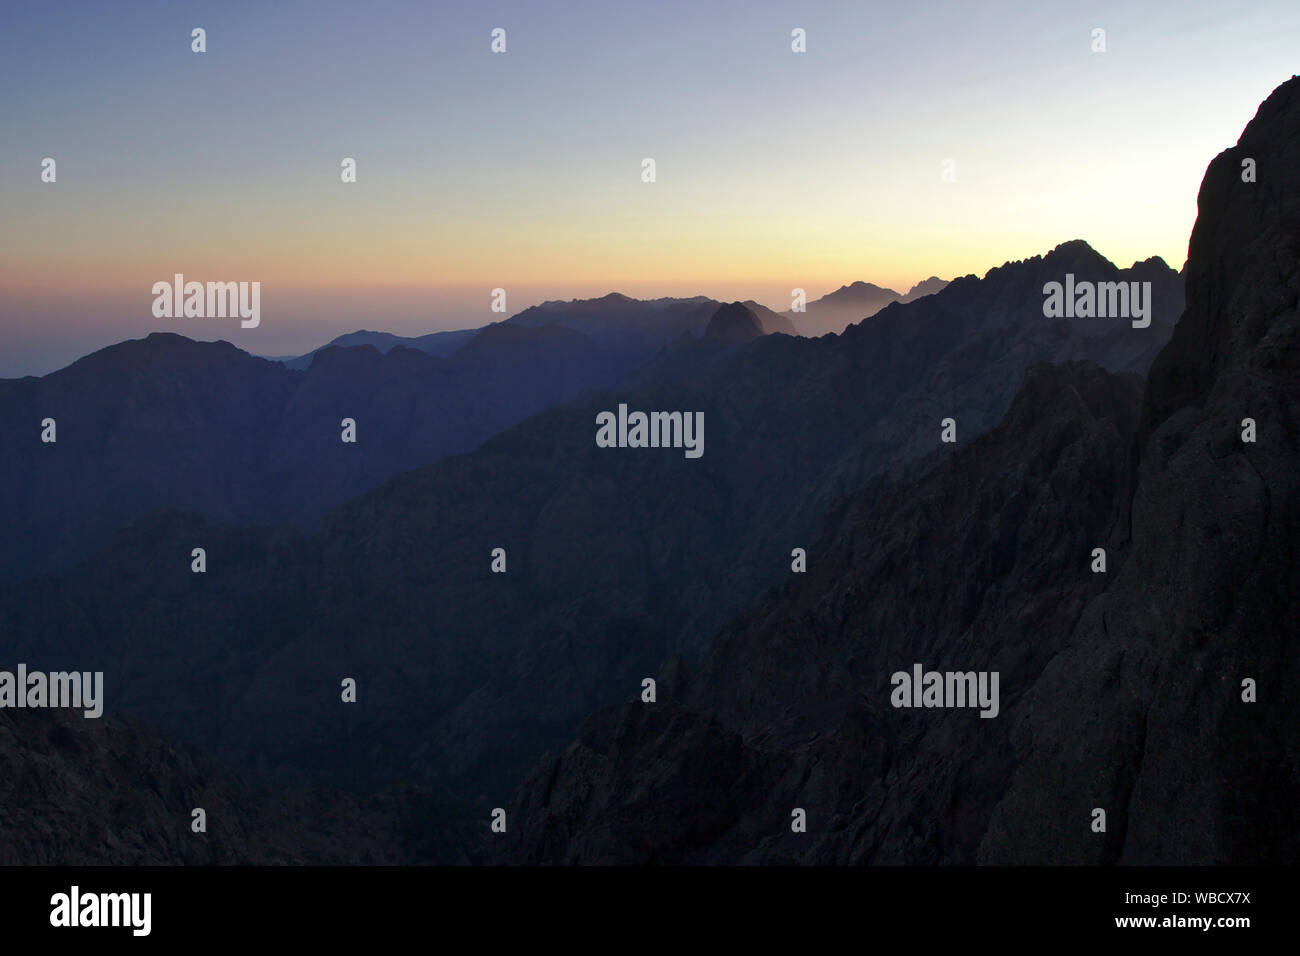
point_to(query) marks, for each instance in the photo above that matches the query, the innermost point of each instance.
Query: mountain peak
(1240, 274)
(1077, 255)
(159, 347)
(859, 290)
(734, 322)
(925, 287)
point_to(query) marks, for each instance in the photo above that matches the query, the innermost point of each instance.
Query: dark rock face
(1240, 268)
(76, 792)
(166, 422)
(790, 709)
(616, 558)
(1160, 735)
(1120, 691)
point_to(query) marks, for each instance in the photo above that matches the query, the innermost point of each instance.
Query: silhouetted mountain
(771, 322)
(1160, 735)
(640, 323)
(733, 323)
(168, 422)
(440, 344)
(856, 294)
(616, 557)
(614, 319)
(691, 358)
(1126, 691)
(970, 569)
(846, 305)
(77, 792)
(923, 288)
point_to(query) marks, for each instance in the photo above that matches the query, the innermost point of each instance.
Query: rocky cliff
(1126, 690)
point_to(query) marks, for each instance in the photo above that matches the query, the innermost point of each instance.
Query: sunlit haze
(774, 169)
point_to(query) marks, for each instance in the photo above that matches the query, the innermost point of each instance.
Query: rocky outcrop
(616, 558)
(1143, 714)
(1121, 690)
(77, 792)
(971, 569)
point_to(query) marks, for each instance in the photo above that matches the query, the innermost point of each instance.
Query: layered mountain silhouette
(734, 323)
(440, 344)
(169, 422)
(617, 321)
(923, 288)
(1120, 690)
(848, 304)
(1130, 692)
(693, 357)
(621, 320)
(616, 558)
(970, 569)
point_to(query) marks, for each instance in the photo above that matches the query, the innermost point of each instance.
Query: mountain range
(166, 422)
(1122, 689)
(1128, 691)
(617, 321)
(837, 310)
(614, 559)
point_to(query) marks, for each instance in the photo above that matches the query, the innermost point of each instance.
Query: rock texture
(615, 558)
(76, 792)
(1121, 691)
(971, 569)
(1210, 596)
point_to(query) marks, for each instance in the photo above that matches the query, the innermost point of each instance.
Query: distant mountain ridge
(439, 344)
(612, 318)
(848, 304)
(736, 322)
(923, 288)
(616, 558)
(1127, 690)
(168, 422)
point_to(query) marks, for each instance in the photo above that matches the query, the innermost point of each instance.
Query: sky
(523, 170)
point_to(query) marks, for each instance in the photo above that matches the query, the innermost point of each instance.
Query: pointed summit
(1078, 257)
(846, 305)
(925, 287)
(1241, 271)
